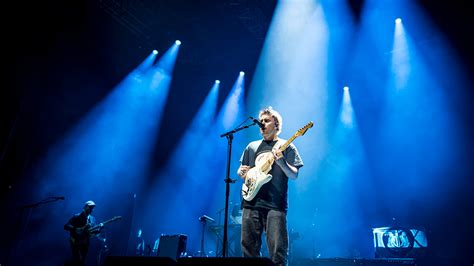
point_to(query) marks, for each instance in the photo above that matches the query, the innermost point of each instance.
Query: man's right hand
(79, 231)
(243, 169)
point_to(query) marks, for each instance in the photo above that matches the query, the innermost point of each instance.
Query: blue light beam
(184, 177)
(107, 154)
(400, 57)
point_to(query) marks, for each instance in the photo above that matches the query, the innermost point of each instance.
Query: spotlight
(155, 52)
(398, 20)
(242, 73)
(346, 88)
(218, 81)
(178, 42)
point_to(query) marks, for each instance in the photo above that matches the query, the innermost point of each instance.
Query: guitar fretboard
(287, 143)
(300, 132)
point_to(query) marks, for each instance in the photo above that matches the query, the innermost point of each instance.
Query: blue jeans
(254, 222)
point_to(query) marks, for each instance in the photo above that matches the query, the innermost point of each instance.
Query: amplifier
(354, 262)
(173, 246)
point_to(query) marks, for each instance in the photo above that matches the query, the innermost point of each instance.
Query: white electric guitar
(259, 175)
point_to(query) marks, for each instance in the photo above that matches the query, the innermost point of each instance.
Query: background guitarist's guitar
(258, 175)
(87, 231)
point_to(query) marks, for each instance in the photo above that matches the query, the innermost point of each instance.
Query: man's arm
(244, 163)
(68, 226)
(289, 170)
(93, 223)
(242, 172)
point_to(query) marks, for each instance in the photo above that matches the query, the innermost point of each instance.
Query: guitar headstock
(116, 218)
(303, 130)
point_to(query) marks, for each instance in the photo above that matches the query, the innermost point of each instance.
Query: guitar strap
(258, 151)
(279, 142)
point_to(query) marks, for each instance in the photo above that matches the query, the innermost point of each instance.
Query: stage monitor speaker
(173, 246)
(354, 262)
(138, 261)
(230, 261)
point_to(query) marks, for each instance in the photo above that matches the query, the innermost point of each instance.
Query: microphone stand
(16, 244)
(44, 201)
(230, 136)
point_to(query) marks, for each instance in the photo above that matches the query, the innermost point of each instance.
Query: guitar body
(82, 237)
(89, 231)
(257, 176)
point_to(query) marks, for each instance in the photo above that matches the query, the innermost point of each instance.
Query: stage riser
(381, 262)
(166, 261)
(162, 261)
(353, 262)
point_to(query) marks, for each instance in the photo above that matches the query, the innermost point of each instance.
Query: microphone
(260, 124)
(204, 218)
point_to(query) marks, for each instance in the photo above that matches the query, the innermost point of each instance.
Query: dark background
(63, 57)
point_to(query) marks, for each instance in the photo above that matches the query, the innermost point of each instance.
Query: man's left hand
(277, 153)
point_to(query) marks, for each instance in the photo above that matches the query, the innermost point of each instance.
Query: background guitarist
(78, 227)
(267, 211)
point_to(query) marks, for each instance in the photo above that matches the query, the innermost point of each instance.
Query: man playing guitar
(82, 226)
(275, 161)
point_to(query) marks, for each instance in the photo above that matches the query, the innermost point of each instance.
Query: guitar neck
(287, 143)
(104, 223)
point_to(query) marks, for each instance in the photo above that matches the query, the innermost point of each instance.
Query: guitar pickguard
(258, 175)
(254, 181)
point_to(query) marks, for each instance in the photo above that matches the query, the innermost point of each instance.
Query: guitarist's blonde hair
(276, 116)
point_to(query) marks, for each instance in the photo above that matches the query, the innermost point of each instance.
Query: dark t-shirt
(274, 194)
(77, 221)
